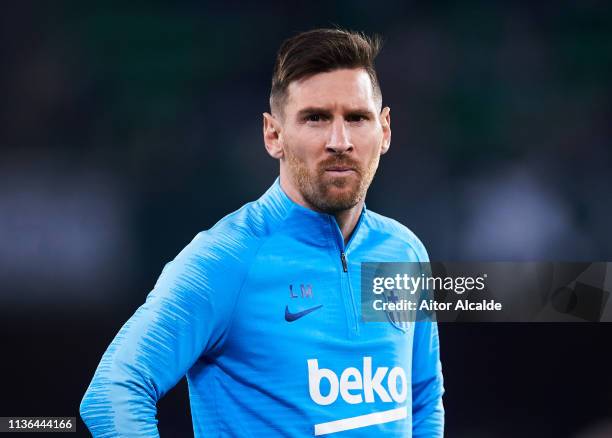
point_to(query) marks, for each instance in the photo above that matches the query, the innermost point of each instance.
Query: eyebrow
(319, 110)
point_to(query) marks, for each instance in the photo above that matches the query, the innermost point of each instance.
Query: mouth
(340, 170)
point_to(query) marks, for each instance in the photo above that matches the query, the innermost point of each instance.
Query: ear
(385, 122)
(271, 135)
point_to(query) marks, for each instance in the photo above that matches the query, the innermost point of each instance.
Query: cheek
(305, 144)
(369, 141)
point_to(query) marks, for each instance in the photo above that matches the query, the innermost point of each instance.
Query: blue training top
(262, 314)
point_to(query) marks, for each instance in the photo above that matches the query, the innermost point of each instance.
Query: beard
(332, 193)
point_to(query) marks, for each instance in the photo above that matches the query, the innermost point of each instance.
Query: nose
(339, 138)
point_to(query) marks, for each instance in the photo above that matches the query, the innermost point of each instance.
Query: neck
(346, 219)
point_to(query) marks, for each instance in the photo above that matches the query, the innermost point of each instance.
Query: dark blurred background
(125, 130)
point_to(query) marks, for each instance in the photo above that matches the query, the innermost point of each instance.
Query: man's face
(330, 139)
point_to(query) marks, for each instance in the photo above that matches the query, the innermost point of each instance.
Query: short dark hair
(320, 51)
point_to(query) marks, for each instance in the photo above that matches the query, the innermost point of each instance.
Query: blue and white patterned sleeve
(184, 316)
(427, 379)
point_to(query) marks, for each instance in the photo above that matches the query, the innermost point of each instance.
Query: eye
(314, 117)
(356, 118)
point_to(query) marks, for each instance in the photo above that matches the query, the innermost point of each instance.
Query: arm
(427, 382)
(427, 379)
(183, 317)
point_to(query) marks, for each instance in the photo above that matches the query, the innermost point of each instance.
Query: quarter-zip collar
(319, 229)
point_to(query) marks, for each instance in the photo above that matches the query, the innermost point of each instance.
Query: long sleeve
(427, 379)
(427, 382)
(184, 316)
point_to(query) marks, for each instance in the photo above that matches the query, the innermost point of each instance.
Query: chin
(338, 200)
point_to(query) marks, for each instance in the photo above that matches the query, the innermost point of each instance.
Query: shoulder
(390, 227)
(234, 239)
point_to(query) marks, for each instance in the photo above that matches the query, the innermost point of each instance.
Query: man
(261, 311)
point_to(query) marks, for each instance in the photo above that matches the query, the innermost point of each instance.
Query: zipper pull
(343, 258)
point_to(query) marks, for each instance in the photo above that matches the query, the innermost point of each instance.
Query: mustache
(340, 162)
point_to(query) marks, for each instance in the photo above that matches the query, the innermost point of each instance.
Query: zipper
(346, 277)
(354, 323)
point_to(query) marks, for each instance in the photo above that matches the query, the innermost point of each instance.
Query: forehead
(346, 88)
